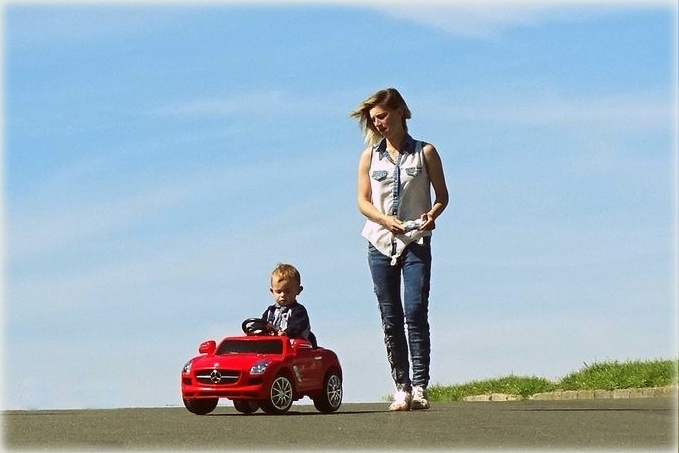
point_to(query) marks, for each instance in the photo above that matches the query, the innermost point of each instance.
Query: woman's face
(386, 121)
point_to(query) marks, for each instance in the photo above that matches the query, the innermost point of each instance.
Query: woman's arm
(438, 181)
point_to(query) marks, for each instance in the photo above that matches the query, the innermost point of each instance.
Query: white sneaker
(401, 402)
(419, 398)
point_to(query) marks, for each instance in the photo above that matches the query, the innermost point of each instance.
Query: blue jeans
(414, 265)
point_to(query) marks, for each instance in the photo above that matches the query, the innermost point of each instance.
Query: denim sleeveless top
(400, 188)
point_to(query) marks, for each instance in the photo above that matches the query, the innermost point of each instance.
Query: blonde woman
(396, 175)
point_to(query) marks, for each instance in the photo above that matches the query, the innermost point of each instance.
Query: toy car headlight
(259, 367)
(187, 367)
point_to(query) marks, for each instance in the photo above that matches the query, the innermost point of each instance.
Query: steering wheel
(256, 326)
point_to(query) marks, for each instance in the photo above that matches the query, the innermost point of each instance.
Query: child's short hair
(286, 272)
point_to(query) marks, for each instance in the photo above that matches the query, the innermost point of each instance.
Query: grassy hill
(610, 375)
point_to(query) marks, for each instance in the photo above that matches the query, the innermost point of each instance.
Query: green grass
(597, 376)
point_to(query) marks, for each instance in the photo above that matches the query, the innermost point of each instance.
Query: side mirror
(207, 347)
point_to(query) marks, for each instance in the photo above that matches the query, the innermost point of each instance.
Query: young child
(287, 316)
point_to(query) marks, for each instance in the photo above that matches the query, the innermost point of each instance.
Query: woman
(395, 176)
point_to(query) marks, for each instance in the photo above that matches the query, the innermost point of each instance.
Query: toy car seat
(312, 340)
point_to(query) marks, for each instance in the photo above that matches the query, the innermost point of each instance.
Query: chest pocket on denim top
(379, 175)
(413, 172)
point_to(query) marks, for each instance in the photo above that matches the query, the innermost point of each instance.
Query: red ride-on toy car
(258, 370)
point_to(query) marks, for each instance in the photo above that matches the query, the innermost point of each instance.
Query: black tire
(281, 393)
(201, 406)
(245, 406)
(330, 399)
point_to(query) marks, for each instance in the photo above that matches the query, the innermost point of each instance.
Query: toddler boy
(287, 316)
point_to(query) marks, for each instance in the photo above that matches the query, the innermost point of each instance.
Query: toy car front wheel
(245, 407)
(280, 396)
(330, 398)
(201, 406)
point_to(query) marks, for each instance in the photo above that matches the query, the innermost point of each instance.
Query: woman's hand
(393, 224)
(428, 222)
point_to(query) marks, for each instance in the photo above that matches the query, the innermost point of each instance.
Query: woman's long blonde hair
(388, 98)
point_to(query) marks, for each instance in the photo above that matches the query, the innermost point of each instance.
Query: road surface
(648, 424)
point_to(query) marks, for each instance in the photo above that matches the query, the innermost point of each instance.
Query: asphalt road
(640, 424)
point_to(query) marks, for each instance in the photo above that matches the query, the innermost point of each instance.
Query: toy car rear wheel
(280, 396)
(245, 407)
(201, 406)
(330, 399)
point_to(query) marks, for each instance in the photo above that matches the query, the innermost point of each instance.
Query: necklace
(394, 153)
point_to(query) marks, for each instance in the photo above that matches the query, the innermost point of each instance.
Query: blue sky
(159, 160)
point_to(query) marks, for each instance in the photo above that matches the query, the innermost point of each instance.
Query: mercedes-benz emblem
(216, 376)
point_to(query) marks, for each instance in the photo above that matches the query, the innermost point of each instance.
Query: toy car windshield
(273, 346)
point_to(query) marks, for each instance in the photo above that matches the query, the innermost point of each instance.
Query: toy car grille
(217, 377)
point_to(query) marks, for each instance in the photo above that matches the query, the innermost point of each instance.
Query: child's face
(284, 291)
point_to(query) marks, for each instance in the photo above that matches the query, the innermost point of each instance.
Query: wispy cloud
(38, 24)
(261, 102)
(84, 240)
(244, 103)
(37, 227)
(490, 19)
(549, 107)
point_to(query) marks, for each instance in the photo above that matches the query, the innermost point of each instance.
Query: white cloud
(471, 19)
(261, 103)
(545, 107)
(489, 19)
(243, 103)
(41, 23)
(75, 241)
(42, 224)
(499, 345)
